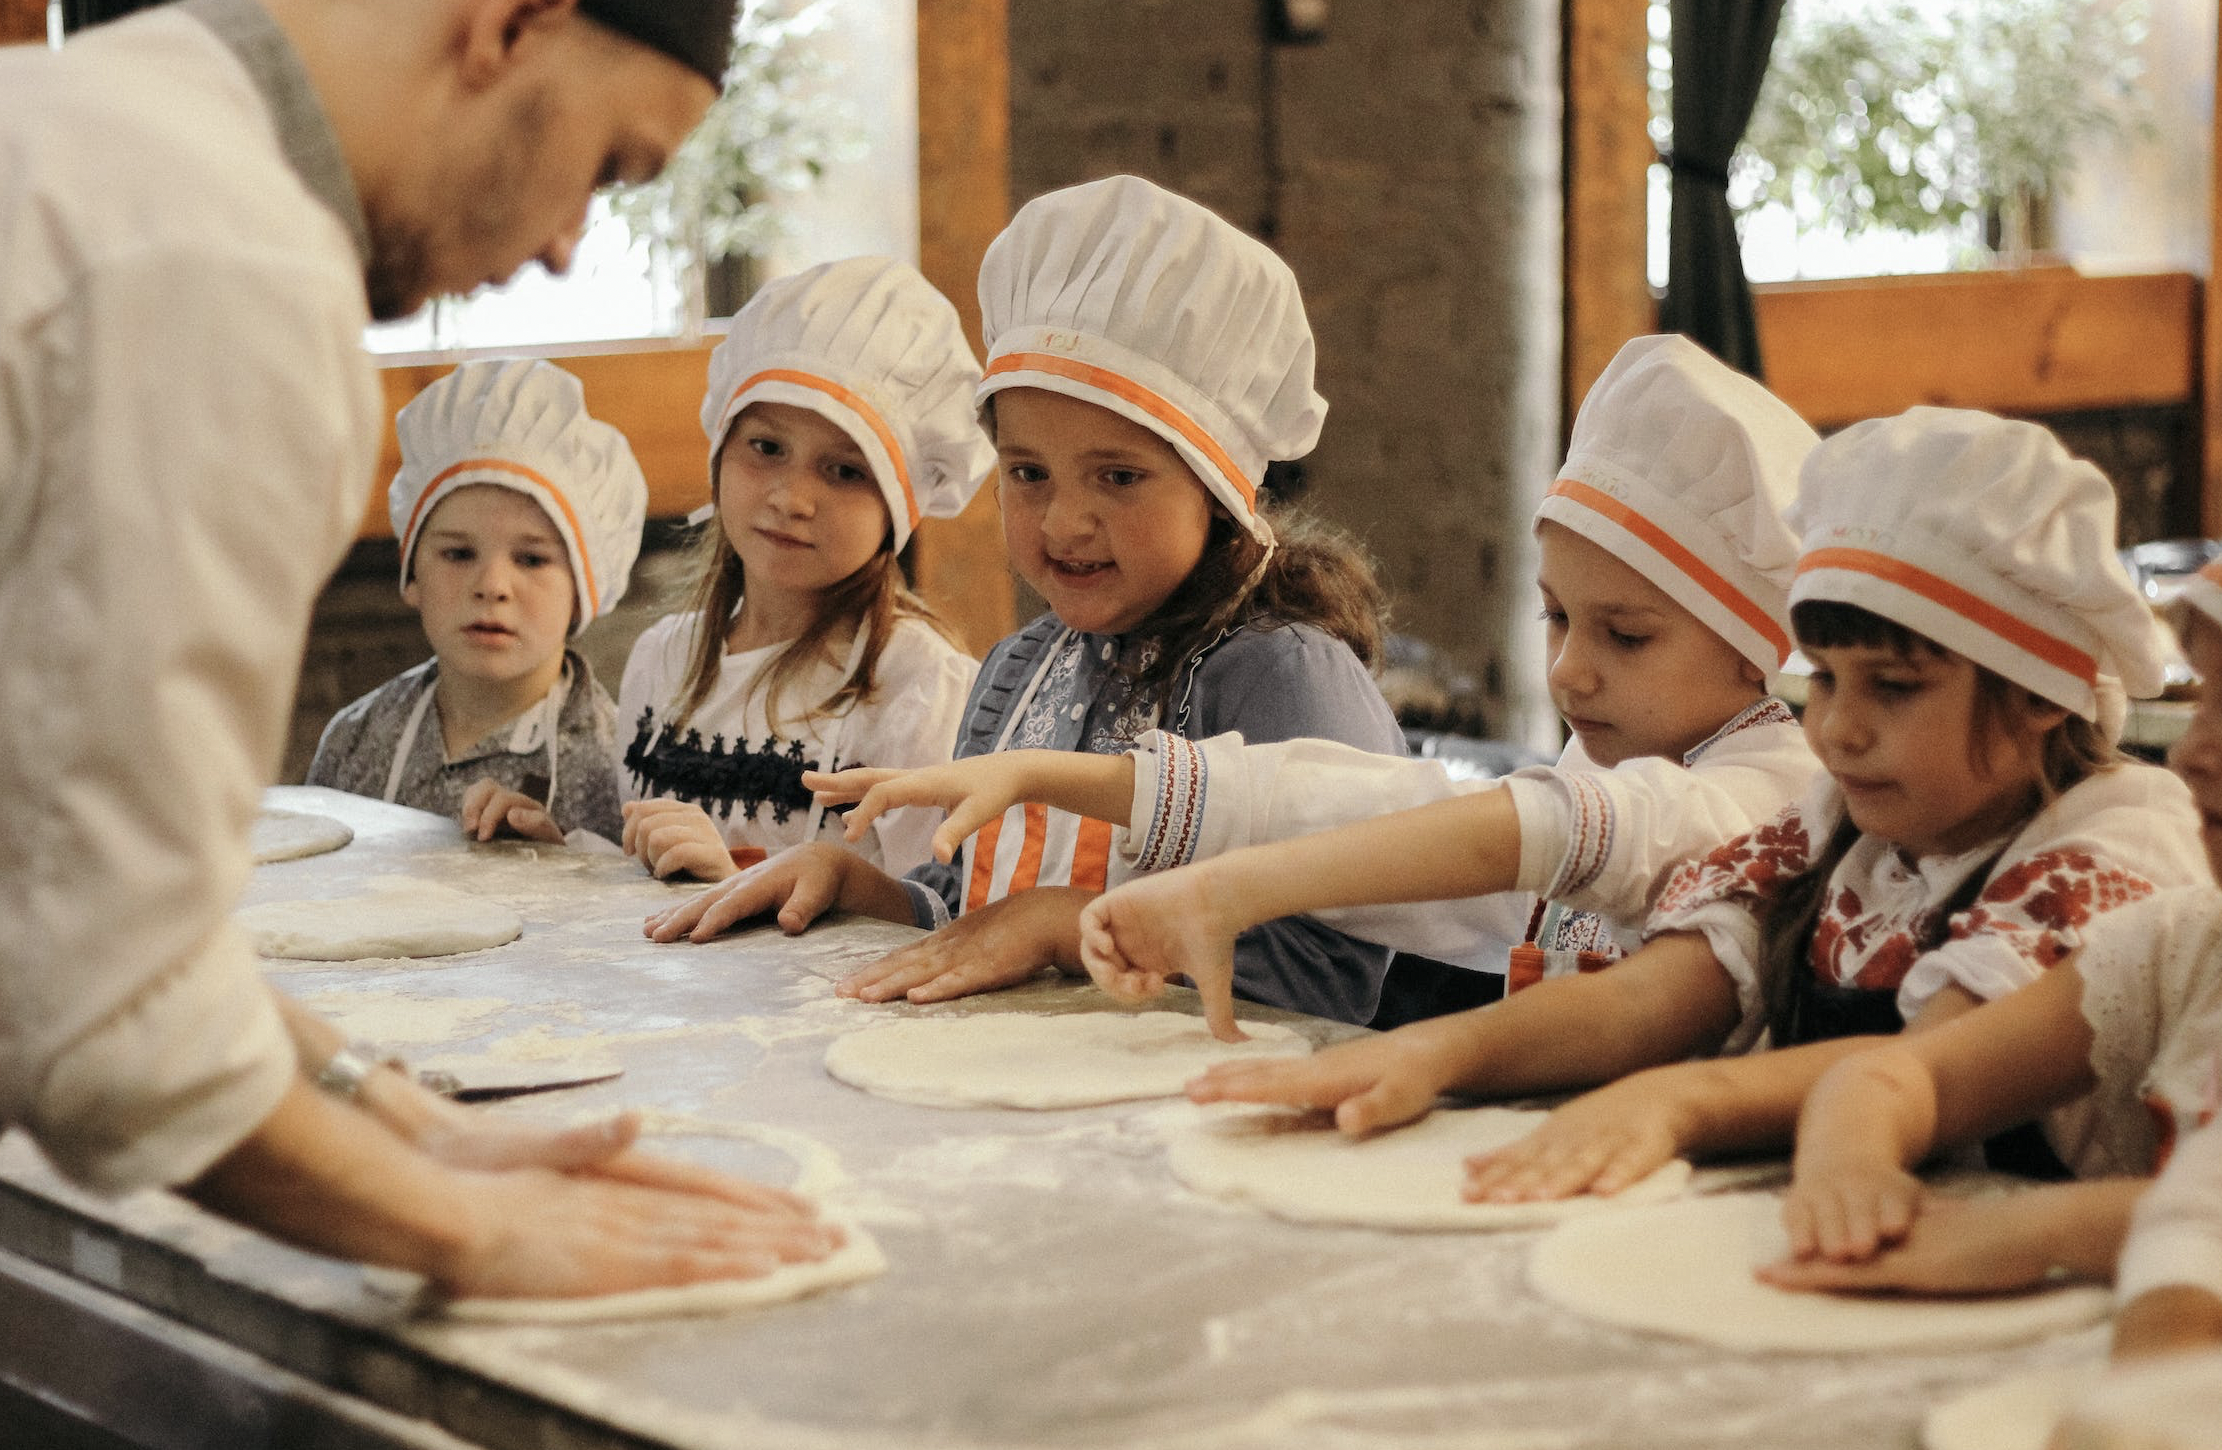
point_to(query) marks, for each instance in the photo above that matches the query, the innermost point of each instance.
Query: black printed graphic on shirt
(719, 776)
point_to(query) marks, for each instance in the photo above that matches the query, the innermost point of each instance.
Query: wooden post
(22, 20)
(1608, 156)
(964, 169)
(2209, 395)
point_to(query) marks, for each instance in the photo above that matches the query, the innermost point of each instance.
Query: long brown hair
(875, 599)
(1315, 575)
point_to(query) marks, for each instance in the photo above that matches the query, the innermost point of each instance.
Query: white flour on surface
(1686, 1269)
(1298, 1166)
(2018, 1412)
(1030, 1060)
(389, 1019)
(396, 917)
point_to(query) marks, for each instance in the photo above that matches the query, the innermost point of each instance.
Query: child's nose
(1067, 516)
(1571, 669)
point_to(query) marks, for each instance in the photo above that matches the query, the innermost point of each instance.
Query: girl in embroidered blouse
(1665, 571)
(1973, 636)
(839, 412)
(2119, 1048)
(1146, 359)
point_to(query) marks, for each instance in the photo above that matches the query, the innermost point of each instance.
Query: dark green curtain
(1720, 57)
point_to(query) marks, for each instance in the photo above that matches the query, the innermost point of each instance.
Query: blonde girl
(839, 413)
(1146, 360)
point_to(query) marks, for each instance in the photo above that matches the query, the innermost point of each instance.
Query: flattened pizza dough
(858, 1258)
(1297, 1166)
(2019, 1412)
(1032, 1060)
(398, 918)
(1686, 1269)
(289, 835)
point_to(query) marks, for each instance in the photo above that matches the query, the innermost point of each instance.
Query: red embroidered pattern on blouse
(1754, 865)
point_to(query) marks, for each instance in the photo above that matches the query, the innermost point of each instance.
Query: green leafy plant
(1907, 117)
(772, 130)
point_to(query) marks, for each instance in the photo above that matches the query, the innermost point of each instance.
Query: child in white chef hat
(1974, 639)
(1665, 576)
(1145, 361)
(839, 413)
(2119, 1048)
(519, 517)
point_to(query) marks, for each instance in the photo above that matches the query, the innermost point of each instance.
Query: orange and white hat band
(1737, 602)
(856, 405)
(2018, 633)
(1161, 414)
(447, 480)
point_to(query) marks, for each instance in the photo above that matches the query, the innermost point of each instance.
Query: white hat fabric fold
(1682, 467)
(522, 424)
(868, 344)
(1123, 294)
(1986, 536)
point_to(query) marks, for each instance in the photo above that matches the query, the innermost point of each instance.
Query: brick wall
(1407, 167)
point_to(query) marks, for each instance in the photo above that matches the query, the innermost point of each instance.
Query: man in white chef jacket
(200, 208)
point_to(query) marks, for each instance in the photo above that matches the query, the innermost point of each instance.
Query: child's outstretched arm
(978, 790)
(1991, 1243)
(1872, 1117)
(1666, 1002)
(1184, 922)
(490, 807)
(800, 884)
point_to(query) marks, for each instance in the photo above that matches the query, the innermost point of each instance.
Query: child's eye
(533, 559)
(458, 554)
(769, 447)
(1624, 640)
(1123, 477)
(1556, 618)
(1897, 689)
(850, 473)
(1026, 473)
(1820, 681)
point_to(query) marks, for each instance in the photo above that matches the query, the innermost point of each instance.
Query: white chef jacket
(188, 426)
(1591, 838)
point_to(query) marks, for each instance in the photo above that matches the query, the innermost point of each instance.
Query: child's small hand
(491, 808)
(671, 837)
(1846, 1211)
(1980, 1245)
(1371, 1083)
(1000, 945)
(973, 791)
(1135, 939)
(1601, 1142)
(799, 883)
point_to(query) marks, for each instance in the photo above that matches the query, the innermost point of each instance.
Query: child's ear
(411, 595)
(1750, 673)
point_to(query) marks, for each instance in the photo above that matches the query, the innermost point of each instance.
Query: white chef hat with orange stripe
(522, 424)
(1986, 536)
(869, 345)
(1682, 467)
(1122, 294)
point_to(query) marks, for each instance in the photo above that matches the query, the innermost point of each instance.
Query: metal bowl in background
(2159, 568)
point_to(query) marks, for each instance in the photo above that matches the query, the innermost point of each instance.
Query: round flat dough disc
(1298, 1166)
(401, 919)
(289, 835)
(2019, 1412)
(1032, 1060)
(857, 1258)
(2165, 1402)
(1686, 1269)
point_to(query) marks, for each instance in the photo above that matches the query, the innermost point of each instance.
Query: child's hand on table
(1000, 945)
(1601, 1142)
(491, 808)
(799, 883)
(672, 837)
(1371, 1083)
(1987, 1244)
(1138, 937)
(1845, 1208)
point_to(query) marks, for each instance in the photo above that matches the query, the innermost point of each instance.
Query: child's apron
(548, 717)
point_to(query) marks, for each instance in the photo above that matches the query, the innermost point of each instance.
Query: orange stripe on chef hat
(503, 465)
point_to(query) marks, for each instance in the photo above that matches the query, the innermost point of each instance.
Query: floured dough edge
(2019, 1412)
(282, 835)
(858, 1258)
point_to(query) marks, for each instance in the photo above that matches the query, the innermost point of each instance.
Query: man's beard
(393, 281)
